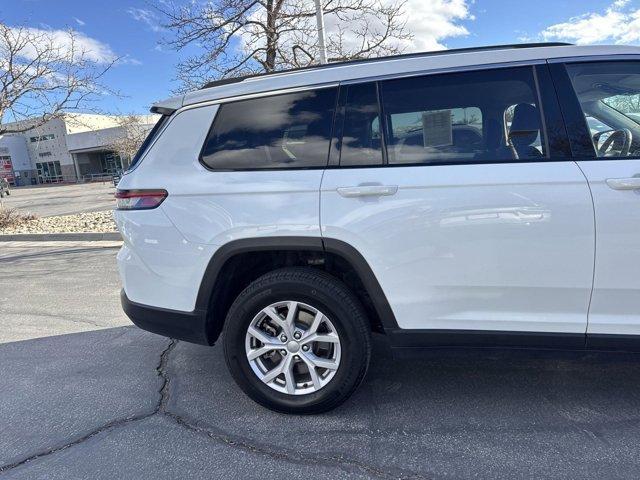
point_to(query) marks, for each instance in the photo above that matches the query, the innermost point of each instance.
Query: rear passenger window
(282, 131)
(489, 115)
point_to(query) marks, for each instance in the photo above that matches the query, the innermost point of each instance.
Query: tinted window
(149, 138)
(609, 96)
(361, 138)
(489, 115)
(508, 120)
(282, 131)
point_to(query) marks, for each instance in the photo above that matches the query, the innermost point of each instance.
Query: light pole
(320, 22)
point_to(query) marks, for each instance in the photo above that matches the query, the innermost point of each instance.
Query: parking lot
(86, 395)
(50, 200)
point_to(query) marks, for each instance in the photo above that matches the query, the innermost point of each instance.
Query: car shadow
(488, 414)
(523, 413)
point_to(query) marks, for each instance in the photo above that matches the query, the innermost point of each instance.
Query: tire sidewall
(353, 349)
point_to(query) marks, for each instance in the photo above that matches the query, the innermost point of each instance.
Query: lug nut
(283, 338)
(297, 357)
(297, 335)
(283, 353)
(305, 348)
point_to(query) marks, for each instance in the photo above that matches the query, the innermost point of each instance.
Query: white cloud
(93, 50)
(146, 16)
(430, 21)
(433, 21)
(82, 23)
(617, 24)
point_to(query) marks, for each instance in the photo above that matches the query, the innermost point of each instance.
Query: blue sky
(128, 29)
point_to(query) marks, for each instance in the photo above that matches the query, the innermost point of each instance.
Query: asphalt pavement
(61, 199)
(89, 396)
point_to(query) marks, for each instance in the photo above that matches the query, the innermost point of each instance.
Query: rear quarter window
(281, 131)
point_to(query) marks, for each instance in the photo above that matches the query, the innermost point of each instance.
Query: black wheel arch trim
(288, 243)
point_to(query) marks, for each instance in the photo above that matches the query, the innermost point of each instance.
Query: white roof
(403, 64)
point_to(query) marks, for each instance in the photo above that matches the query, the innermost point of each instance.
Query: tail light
(139, 199)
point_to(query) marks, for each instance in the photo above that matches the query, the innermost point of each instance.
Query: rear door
(605, 135)
(471, 217)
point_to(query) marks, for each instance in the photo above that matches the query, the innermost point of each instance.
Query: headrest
(525, 125)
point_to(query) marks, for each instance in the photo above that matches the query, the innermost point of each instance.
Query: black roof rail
(226, 81)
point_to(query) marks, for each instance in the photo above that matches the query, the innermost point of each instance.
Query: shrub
(12, 217)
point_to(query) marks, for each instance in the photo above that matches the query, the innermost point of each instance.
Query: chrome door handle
(368, 191)
(632, 183)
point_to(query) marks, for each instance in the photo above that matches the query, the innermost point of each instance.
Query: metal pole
(320, 21)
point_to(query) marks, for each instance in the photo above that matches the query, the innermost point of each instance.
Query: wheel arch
(246, 259)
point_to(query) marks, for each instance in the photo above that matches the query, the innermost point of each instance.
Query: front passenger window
(609, 95)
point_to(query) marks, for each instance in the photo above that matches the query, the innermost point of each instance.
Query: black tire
(336, 301)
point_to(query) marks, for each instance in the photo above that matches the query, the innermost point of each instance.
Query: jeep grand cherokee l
(483, 197)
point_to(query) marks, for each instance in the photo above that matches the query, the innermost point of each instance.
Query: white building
(74, 147)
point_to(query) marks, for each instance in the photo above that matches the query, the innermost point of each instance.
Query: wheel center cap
(293, 346)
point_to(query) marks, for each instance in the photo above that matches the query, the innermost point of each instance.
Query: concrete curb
(60, 237)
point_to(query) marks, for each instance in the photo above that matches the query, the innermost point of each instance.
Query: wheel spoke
(315, 378)
(281, 322)
(321, 337)
(319, 362)
(317, 320)
(271, 375)
(292, 315)
(260, 335)
(258, 352)
(288, 376)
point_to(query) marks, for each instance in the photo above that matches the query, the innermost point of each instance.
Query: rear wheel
(297, 341)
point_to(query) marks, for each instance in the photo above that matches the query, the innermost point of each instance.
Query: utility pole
(320, 22)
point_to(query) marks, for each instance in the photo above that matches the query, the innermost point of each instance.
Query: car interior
(481, 121)
(609, 94)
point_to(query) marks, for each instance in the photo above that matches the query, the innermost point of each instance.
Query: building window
(49, 171)
(41, 138)
(110, 163)
(44, 154)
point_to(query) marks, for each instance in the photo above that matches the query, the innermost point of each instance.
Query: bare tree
(239, 37)
(43, 75)
(130, 136)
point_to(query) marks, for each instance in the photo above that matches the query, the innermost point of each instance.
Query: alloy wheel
(293, 347)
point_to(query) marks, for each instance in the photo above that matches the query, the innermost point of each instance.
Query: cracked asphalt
(86, 395)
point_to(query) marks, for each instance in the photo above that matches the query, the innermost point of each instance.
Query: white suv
(483, 197)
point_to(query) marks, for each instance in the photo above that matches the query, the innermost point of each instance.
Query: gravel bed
(99, 222)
